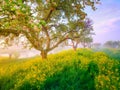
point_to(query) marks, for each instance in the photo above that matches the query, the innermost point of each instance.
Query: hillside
(67, 70)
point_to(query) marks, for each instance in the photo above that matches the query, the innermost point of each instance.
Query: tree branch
(60, 41)
(48, 37)
(5, 32)
(33, 40)
(47, 18)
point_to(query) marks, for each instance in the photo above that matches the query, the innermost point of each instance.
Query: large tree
(42, 22)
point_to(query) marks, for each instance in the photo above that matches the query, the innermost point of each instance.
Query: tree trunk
(10, 56)
(74, 48)
(84, 45)
(44, 54)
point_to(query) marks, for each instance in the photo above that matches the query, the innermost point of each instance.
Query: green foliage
(43, 22)
(67, 70)
(112, 53)
(70, 78)
(93, 69)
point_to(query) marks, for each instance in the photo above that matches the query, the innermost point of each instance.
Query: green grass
(112, 53)
(67, 70)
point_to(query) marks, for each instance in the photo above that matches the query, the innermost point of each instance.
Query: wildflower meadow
(84, 69)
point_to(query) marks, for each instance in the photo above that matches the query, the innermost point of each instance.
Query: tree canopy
(81, 34)
(43, 22)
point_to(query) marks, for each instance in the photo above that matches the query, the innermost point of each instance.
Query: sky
(106, 21)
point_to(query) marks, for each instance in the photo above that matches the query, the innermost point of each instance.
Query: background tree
(86, 36)
(42, 22)
(96, 45)
(112, 44)
(74, 36)
(87, 42)
(81, 34)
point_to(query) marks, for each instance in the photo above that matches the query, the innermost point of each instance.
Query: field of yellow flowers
(84, 69)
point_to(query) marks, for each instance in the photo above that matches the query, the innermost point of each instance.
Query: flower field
(67, 70)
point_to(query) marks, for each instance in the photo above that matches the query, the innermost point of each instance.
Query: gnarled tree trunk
(44, 54)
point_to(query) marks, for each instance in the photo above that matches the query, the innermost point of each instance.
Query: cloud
(106, 25)
(106, 20)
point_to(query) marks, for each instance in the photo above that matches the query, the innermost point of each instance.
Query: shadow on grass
(73, 78)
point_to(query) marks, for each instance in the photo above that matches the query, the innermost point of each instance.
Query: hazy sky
(106, 20)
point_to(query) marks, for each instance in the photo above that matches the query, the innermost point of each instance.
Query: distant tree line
(112, 44)
(108, 44)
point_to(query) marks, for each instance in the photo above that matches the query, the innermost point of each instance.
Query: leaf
(42, 22)
(20, 1)
(6, 1)
(13, 9)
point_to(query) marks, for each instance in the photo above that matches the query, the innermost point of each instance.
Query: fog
(24, 53)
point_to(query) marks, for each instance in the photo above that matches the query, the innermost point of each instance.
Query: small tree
(86, 42)
(42, 22)
(82, 34)
(96, 45)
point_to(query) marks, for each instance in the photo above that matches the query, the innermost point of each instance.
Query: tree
(82, 34)
(12, 53)
(42, 22)
(96, 45)
(112, 44)
(76, 31)
(86, 37)
(86, 42)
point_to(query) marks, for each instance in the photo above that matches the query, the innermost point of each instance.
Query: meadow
(84, 69)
